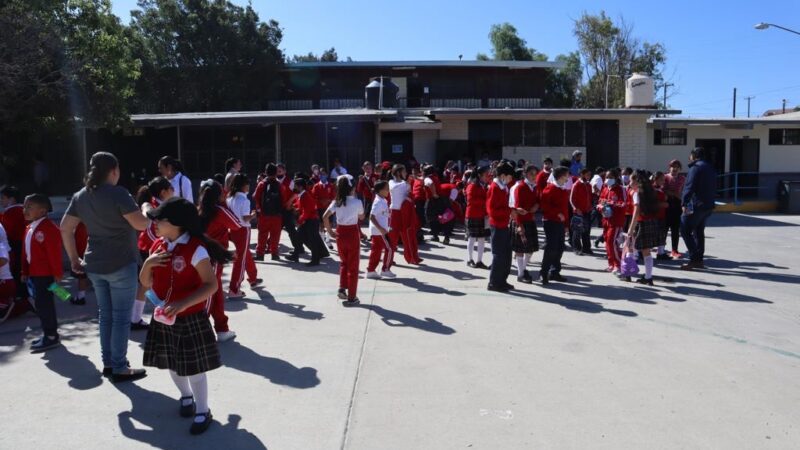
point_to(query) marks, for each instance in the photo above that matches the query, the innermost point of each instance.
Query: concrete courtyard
(431, 360)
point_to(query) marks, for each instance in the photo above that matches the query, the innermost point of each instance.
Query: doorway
(715, 154)
(602, 143)
(397, 146)
(744, 158)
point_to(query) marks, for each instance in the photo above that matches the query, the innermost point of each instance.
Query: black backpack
(271, 199)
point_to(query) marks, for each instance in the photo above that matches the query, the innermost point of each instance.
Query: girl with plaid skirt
(524, 199)
(180, 273)
(644, 222)
(477, 222)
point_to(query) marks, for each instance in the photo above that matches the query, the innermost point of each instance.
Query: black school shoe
(276, 257)
(187, 409)
(471, 263)
(44, 343)
(128, 375)
(140, 325)
(342, 294)
(525, 278)
(201, 427)
(499, 288)
(544, 279)
(351, 303)
(258, 258)
(292, 257)
(558, 277)
(481, 265)
(645, 281)
(446, 241)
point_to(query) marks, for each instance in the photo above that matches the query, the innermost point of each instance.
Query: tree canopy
(328, 55)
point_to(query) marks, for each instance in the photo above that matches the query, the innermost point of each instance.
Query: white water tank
(639, 91)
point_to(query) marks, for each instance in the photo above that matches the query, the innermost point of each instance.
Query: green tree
(507, 45)
(610, 53)
(203, 55)
(328, 55)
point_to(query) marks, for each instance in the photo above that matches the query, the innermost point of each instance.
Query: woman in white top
(403, 219)
(170, 168)
(239, 204)
(349, 212)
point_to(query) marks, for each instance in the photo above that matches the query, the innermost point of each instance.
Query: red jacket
(222, 224)
(307, 207)
(541, 180)
(325, 193)
(45, 252)
(417, 190)
(580, 198)
(525, 197)
(286, 194)
(497, 206)
(178, 278)
(615, 197)
(13, 221)
(555, 201)
(476, 201)
(365, 185)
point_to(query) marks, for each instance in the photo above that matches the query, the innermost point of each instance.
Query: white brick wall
(633, 142)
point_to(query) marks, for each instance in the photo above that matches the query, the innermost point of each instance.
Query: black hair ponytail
(210, 191)
(216, 252)
(648, 200)
(100, 167)
(343, 189)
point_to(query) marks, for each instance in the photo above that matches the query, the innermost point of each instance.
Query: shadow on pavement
(165, 429)
(78, 369)
(425, 287)
(398, 319)
(572, 304)
(266, 299)
(716, 294)
(238, 357)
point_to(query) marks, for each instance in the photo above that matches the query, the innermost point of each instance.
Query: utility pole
(665, 93)
(734, 102)
(748, 104)
(784, 107)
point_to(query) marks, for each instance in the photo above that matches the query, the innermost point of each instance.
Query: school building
(435, 111)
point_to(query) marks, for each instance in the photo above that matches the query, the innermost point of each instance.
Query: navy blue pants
(553, 247)
(693, 231)
(501, 256)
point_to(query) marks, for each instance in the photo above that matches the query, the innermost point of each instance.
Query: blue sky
(712, 46)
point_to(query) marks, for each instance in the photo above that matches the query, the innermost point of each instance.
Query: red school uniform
(541, 180)
(555, 201)
(223, 223)
(178, 279)
(497, 205)
(365, 185)
(13, 221)
(306, 206)
(325, 193)
(476, 200)
(148, 235)
(41, 251)
(526, 196)
(615, 197)
(580, 197)
(417, 189)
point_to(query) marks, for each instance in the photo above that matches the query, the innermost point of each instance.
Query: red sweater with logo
(178, 279)
(45, 251)
(325, 193)
(497, 206)
(555, 201)
(306, 207)
(581, 196)
(525, 197)
(476, 201)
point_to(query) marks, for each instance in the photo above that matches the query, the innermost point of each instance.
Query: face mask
(626, 179)
(611, 182)
(323, 178)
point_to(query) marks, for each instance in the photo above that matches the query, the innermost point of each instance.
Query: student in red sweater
(271, 200)
(477, 222)
(41, 266)
(544, 175)
(612, 208)
(324, 191)
(365, 186)
(580, 199)
(555, 210)
(418, 195)
(500, 213)
(644, 222)
(525, 236)
(308, 222)
(219, 222)
(13, 220)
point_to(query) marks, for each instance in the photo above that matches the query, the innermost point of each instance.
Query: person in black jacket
(697, 201)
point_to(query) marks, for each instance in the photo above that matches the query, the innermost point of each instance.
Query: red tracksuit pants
(269, 234)
(612, 249)
(244, 261)
(403, 226)
(348, 244)
(216, 308)
(380, 246)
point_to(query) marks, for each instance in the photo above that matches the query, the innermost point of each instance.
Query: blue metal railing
(751, 185)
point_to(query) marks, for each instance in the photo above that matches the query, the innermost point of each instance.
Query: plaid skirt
(188, 347)
(528, 241)
(648, 234)
(477, 228)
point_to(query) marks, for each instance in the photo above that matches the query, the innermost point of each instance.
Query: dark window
(512, 133)
(669, 136)
(574, 133)
(534, 133)
(784, 136)
(555, 133)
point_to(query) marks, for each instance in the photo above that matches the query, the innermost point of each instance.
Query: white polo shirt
(380, 211)
(348, 213)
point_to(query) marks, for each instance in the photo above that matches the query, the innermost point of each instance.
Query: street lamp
(764, 26)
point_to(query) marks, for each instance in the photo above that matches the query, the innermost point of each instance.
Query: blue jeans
(115, 294)
(693, 231)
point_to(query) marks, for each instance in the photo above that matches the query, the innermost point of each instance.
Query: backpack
(271, 199)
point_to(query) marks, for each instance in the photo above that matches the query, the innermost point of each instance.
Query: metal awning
(261, 117)
(547, 112)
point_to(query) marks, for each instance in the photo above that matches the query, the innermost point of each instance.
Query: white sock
(182, 383)
(528, 259)
(470, 244)
(520, 265)
(136, 312)
(481, 245)
(648, 266)
(81, 294)
(199, 384)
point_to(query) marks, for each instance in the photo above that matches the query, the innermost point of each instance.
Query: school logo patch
(178, 264)
(39, 236)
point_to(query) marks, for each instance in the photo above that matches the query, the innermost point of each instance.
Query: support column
(377, 155)
(278, 143)
(180, 145)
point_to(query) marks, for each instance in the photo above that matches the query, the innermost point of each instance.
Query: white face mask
(626, 179)
(610, 182)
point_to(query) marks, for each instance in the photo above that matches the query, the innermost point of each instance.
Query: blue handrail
(736, 186)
